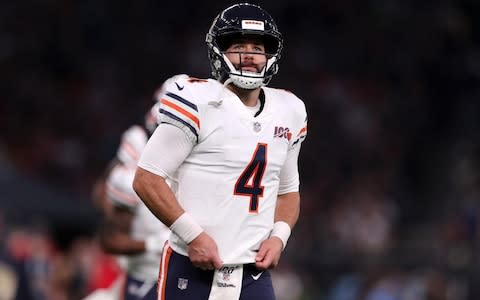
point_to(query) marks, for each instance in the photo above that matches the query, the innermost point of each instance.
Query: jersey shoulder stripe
(185, 102)
(182, 100)
(302, 133)
(300, 136)
(176, 120)
(178, 111)
(181, 110)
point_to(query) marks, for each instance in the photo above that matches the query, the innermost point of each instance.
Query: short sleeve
(289, 177)
(299, 135)
(178, 108)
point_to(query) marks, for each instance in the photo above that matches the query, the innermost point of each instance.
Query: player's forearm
(286, 216)
(157, 196)
(288, 208)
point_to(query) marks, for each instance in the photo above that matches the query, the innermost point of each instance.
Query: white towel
(227, 283)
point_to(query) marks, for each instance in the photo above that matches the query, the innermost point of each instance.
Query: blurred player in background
(130, 230)
(230, 145)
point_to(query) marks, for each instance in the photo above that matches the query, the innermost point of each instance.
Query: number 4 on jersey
(250, 182)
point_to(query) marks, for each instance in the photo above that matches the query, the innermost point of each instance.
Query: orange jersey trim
(304, 129)
(182, 111)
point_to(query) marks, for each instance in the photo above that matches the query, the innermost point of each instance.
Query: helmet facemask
(243, 78)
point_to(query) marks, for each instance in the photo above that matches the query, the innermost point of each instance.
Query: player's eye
(239, 47)
(258, 49)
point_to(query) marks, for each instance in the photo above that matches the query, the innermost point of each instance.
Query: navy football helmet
(243, 20)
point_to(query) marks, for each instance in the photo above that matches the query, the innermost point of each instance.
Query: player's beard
(253, 68)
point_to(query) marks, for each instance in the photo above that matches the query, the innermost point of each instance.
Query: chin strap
(243, 79)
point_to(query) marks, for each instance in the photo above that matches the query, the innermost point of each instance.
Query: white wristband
(186, 228)
(281, 230)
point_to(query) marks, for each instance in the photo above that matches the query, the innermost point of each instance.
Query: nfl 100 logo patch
(282, 132)
(182, 283)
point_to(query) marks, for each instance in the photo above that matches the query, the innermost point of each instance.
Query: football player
(130, 230)
(230, 145)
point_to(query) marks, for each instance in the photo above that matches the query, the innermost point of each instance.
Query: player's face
(247, 54)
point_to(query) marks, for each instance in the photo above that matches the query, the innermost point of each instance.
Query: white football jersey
(144, 224)
(230, 181)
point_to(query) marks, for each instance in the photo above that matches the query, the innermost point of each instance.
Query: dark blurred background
(390, 168)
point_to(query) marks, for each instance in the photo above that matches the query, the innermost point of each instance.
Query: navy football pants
(186, 282)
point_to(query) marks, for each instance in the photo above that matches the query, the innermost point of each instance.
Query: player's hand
(203, 253)
(269, 253)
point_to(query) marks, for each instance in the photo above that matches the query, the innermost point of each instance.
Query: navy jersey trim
(172, 116)
(183, 100)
